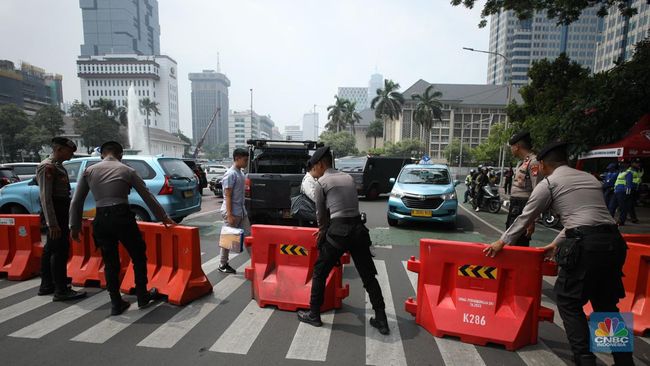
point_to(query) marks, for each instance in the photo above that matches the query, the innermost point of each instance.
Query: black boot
(306, 316)
(145, 298)
(118, 305)
(623, 358)
(380, 321)
(587, 359)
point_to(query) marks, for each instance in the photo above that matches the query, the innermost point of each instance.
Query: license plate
(188, 194)
(286, 214)
(421, 213)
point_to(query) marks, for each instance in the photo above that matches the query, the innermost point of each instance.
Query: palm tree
(352, 117)
(427, 109)
(337, 114)
(107, 106)
(376, 129)
(388, 103)
(147, 107)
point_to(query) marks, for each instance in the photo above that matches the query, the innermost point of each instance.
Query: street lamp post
(502, 152)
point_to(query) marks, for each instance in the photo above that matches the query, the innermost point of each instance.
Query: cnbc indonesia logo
(612, 333)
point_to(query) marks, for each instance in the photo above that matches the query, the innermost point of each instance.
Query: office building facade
(293, 133)
(310, 130)
(120, 27)
(526, 41)
(246, 125)
(354, 94)
(620, 35)
(29, 87)
(209, 93)
(376, 82)
(154, 77)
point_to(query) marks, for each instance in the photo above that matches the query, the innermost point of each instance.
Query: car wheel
(373, 193)
(392, 222)
(17, 210)
(140, 214)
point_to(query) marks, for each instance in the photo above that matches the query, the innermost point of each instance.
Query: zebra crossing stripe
(172, 331)
(23, 307)
(311, 343)
(241, 334)
(384, 349)
(452, 351)
(63, 317)
(19, 287)
(110, 327)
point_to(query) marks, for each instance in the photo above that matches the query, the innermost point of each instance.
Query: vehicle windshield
(25, 170)
(424, 176)
(7, 173)
(355, 165)
(176, 168)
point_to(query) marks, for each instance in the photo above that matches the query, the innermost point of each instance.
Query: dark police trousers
(596, 277)
(55, 252)
(351, 235)
(516, 208)
(117, 224)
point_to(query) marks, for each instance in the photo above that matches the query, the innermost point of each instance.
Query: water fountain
(137, 130)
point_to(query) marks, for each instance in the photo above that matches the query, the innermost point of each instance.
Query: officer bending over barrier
(589, 250)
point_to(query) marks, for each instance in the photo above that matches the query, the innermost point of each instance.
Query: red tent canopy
(636, 144)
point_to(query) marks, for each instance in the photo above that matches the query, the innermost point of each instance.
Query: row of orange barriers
(173, 258)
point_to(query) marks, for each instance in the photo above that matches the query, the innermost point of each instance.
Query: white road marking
(241, 334)
(19, 287)
(110, 327)
(63, 317)
(23, 307)
(481, 220)
(311, 343)
(168, 334)
(384, 349)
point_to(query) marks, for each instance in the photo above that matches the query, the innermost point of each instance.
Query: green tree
(186, 152)
(388, 103)
(427, 109)
(337, 114)
(409, 148)
(376, 129)
(488, 151)
(94, 126)
(147, 107)
(342, 143)
(51, 119)
(107, 106)
(352, 117)
(13, 121)
(452, 152)
(566, 11)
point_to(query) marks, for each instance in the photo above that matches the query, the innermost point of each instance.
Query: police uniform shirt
(526, 177)
(110, 182)
(577, 197)
(53, 182)
(342, 199)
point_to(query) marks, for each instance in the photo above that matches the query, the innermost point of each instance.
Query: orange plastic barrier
(636, 282)
(173, 263)
(86, 264)
(282, 264)
(20, 246)
(481, 300)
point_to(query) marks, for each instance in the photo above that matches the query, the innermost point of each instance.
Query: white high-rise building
(354, 94)
(241, 127)
(310, 126)
(621, 35)
(525, 41)
(153, 77)
(376, 82)
(293, 133)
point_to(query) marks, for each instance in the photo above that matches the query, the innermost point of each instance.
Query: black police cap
(64, 141)
(114, 143)
(318, 155)
(521, 135)
(636, 160)
(550, 147)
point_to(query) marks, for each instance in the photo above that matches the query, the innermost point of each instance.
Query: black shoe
(68, 295)
(585, 360)
(226, 269)
(120, 308)
(635, 221)
(147, 298)
(381, 325)
(306, 316)
(44, 291)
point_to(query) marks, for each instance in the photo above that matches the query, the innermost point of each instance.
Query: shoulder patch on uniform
(534, 169)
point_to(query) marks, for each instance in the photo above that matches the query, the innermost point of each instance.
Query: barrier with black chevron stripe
(463, 293)
(282, 263)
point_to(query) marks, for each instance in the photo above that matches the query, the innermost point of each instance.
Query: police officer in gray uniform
(589, 250)
(524, 180)
(54, 187)
(110, 182)
(340, 230)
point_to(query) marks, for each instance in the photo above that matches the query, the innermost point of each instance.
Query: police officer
(468, 183)
(54, 187)
(637, 177)
(623, 189)
(525, 179)
(340, 229)
(481, 181)
(110, 182)
(608, 182)
(589, 250)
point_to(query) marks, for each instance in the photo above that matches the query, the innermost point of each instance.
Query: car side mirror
(456, 183)
(391, 181)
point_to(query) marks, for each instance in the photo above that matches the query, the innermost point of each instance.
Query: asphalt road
(226, 327)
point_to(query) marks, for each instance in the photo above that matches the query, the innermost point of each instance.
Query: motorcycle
(215, 186)
(490, 201)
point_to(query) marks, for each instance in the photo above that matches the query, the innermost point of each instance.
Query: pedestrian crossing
(242, 330)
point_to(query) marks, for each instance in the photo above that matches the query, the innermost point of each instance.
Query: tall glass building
(209, 92)
(120, 27)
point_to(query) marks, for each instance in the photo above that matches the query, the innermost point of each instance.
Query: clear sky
(293, 53)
